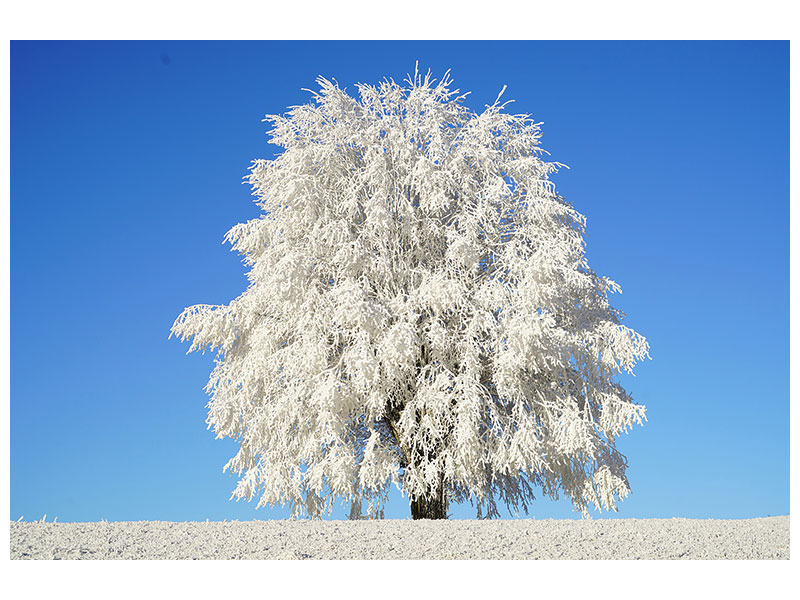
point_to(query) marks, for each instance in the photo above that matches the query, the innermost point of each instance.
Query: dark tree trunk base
(429, 508)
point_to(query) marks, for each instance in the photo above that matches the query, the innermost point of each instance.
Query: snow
(760, 538)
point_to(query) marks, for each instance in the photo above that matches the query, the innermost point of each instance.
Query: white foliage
(420, 312)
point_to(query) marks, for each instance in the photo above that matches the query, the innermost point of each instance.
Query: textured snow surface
(763, 538)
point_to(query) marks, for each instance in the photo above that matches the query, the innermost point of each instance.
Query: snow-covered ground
(763, 538)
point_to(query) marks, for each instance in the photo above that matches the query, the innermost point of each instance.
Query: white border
(414, 19)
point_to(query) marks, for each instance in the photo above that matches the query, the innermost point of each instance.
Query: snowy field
(763, 538)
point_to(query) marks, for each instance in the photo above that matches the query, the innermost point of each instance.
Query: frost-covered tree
(420, 313)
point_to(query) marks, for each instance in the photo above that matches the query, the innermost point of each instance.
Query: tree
(420, 313)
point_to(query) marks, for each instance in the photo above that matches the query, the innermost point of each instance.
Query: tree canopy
(420, 313)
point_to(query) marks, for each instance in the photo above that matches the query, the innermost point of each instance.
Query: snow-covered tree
(420, 313)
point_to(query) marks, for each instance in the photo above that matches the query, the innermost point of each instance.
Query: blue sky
(127, 161)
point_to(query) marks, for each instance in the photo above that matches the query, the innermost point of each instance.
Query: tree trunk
(433, 506)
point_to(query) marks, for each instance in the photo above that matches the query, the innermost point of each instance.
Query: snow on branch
(420, 313)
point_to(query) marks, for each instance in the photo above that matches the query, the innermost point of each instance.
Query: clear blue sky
(126, 167)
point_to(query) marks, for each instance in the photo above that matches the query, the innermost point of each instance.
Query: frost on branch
(420, 313)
